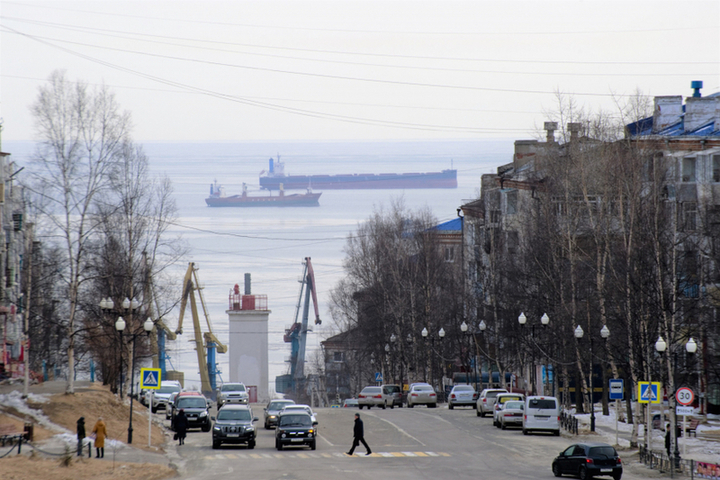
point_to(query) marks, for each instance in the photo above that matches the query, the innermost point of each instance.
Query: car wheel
(313, 445)
(525, 432)
(502, 426)
(556, 470)
(251, 444)
(497, 424)
(154, 409)
(383, 406)
(556, 433)
(617, 476)
(583, 474)
(482, 414)
(216, 445)
(474, 406)
(410, 405)
(369, 407)
(267, 426)
(206, 428)
(278, 445)
(360, 407)
(432, 405)
(477, 413)
(450, 406)
(392, 407)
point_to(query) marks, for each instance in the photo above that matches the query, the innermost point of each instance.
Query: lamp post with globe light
(604, 333)
(430, 338)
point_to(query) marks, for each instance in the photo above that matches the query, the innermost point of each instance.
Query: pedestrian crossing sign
(649, 392)
(150, 378)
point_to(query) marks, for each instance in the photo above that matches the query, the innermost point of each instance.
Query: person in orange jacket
(100, 432)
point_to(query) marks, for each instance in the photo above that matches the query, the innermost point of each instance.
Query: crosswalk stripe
(267, 455)
(433, 454)
(409, 454)
(326, 455)
(386, 454)
(231, 456)
(445, 454)
(397, 454)
(420, 454)
(302, 455)
(255, 455)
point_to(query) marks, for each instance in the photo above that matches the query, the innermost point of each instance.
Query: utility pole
(26, 352)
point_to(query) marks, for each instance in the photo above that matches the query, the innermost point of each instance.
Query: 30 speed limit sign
(684, 396)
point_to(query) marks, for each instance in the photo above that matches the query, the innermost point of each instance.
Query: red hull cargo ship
(218, 198)
(275, 176)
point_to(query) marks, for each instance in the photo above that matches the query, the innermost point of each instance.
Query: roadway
(417, 443)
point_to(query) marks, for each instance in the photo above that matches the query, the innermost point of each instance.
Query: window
(494, 216)
(337, 356)
(688, 169)
(513, 242)
(689, 216)
(512, 200)
(450, 254)
(716, 168)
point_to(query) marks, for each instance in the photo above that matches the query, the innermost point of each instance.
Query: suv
(392, 395)
(162, 395)
(295, 428)
(232, 393)
(370, 397)
(273, 410)
(234, 424)
(196, 409)
(486, 400)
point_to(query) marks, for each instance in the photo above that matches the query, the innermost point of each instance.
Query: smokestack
(247, 284)
(696, 85)
(574, 131)
(550, 128)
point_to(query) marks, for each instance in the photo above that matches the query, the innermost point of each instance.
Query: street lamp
(544, 321)
(604, 333)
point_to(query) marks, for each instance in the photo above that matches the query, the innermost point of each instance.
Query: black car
(295, 429)
(587, 460)
(234, 424)
(196, 410)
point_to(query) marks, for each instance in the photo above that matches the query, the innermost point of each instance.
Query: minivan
(541, 414)
(392, 394)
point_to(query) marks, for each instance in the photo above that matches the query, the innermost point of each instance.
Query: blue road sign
(150, 378)
(649, 392)
(616, 389)
(378, 377)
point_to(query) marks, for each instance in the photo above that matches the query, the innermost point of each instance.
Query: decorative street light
(604, 333)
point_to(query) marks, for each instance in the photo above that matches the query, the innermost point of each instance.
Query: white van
(541, 414)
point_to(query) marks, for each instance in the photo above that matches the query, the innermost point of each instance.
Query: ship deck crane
(296, 335)
(208, 368)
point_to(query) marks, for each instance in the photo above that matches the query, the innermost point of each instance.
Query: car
(234, 424)
(422, 394)
(169, 405)
(462, 396)
(371, 397)
(511, 414)
(502, 398)
(300, 408)
(392, 394)
(232, 393)
(350, 402)
(541, 414)
(588, 460)
(486, 400)
(295, 429)
(273, 410)
(162, 395)
(196, 408)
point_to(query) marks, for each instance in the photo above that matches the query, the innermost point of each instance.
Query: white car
(371, 397)
(422, 394)
(500, 399)
(301, 408)
(232, 393)
(486, 400)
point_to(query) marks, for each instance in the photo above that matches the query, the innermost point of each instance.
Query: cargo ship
(218, 198)
(275, 176)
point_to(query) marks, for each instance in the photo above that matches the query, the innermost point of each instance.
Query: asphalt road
(417, 443)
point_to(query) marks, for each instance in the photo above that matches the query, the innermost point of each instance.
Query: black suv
(295, 429)
(196, 410)
(234, 424)
(587, 460)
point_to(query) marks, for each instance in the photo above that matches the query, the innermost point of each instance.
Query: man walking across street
(359, 436)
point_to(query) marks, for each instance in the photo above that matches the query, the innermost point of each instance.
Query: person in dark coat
(181, 424)
(359, 436)
(80, 435)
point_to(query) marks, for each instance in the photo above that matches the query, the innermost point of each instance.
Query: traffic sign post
(616, 393)
(648, 392)
(150, 379)
(685, 397)
(378, 377)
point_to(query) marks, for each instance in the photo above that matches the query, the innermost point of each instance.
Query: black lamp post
(120, 327)
(604, 333)
(427, 338)
(544, 321)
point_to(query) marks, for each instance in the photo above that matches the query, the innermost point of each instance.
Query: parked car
(234, 424)
(232, 393)
(422, 394)
(588, 460)
(371, 397)
(392, 394)
(300, 408)
(196, 408)
(486, 400)
(462, 396)
(502, 398)
(351, 402)
(169, 405)
(295, 429)
(162, 395)
(541, 414)
(273, 410)
(510, 414)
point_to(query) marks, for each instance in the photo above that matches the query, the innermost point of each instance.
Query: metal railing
(660, 461)
(569, 422)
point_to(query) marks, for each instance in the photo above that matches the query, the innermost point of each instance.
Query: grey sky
(274, 70)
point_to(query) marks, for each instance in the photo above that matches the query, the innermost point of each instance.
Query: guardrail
(678, 466)
(569, 422)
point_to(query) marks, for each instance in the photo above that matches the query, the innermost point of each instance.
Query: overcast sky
(336, 70)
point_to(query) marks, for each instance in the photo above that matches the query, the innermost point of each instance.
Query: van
(541, 414)
(392, 394)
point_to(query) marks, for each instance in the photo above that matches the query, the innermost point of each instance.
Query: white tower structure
(248, 318)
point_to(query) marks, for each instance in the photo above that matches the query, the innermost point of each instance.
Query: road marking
(326, 455)
(420, 454)
(231, 456)
(409, 454)
(444, 454)
(397, 454)
(400, 429)
(302, 455)
(267, 455)
(255, 455)
(433, 454)
(385, 454)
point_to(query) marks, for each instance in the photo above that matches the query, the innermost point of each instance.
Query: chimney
(700, 111)
(247, 284)
(550, 128)
(696, 85)
(574, 131)
(667, 111)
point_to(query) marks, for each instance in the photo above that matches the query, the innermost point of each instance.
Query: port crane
(296, 335)
(203, 341)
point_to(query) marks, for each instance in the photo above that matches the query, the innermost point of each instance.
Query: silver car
(272, 411)
(422, 394)
(511, 414)
(232, 393)
(371, 397)
(462, 396)
(486, 400)
(500, 399)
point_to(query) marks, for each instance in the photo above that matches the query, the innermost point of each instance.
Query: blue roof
(454, 225)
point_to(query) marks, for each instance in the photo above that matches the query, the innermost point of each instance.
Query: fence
(569, 422)
(682, 467)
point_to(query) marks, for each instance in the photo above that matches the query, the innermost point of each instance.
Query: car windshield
(295, 421)
(169, 389)
(233, 415)
(509, 405)
(192, 402)
(602, 452)
(278, 405)
(542, 404)
(394, 389)
(423, 388)
(233, 387)
(464, 389)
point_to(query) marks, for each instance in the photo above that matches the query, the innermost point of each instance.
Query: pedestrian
(80, 435)
(100, 432)
(667, 439)
(181, 424)
(359, 436)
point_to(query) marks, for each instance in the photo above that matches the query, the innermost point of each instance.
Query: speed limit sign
(684, 396)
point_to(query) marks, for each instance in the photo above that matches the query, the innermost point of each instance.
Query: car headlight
(272, 417)
(249, 429)
(203, 414)
(217, 429)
